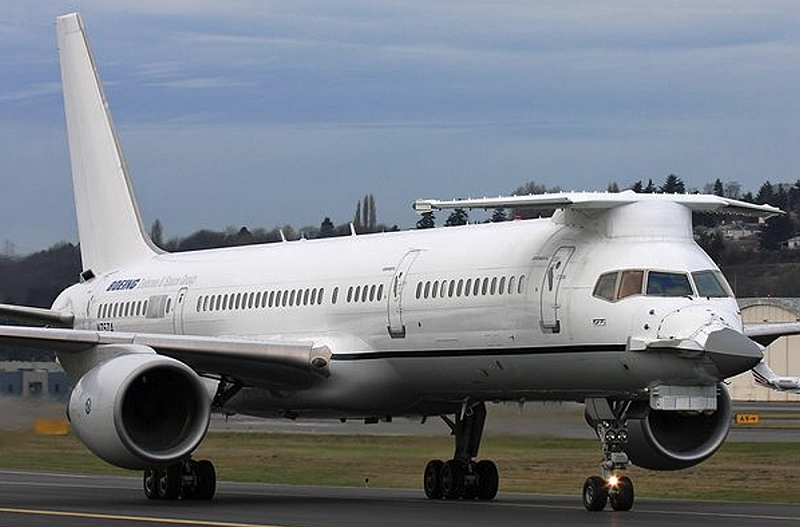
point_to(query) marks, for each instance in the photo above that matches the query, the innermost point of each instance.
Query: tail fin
(110, 225)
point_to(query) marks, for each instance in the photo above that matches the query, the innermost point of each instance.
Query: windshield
(711, 284)
(668, 284)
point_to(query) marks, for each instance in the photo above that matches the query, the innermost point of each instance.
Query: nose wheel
(615, 490)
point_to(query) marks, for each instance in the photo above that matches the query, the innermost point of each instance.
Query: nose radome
(716, 332)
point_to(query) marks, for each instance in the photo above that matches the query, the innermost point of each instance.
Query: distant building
(783, 355)
(33, 379)
(792, 244)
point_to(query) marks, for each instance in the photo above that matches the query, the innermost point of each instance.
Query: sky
(264, 113)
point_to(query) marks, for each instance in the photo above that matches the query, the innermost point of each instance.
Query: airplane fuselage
(418, 321)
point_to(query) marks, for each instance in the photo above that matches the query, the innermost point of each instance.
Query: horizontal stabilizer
(599, 201)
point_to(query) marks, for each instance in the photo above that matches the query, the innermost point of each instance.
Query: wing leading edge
(252, 362)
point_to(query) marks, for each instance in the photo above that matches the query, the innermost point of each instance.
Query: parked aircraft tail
(110, 226)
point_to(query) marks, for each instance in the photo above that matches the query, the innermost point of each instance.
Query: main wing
(252, 362)
(599, 201)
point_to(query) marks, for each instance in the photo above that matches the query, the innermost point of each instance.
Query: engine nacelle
(664, 440)
(140, 409)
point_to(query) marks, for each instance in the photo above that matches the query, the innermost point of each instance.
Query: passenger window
(710, 284)
(451, 288)
(468, 287)
(418, 293)
(476, 287)
(485, 287)
(502, 287)
(380, 293)
(668, 284)
(511, 283)
(494, 286)
(364, 293)
(521, 286)
(460, 287)
(630, 283)
(427, 289)
(372, 290)
(320, 295)
(305, 297)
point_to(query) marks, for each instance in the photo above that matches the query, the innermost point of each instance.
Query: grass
(739, 471)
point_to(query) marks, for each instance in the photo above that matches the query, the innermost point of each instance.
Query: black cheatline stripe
(485, 352)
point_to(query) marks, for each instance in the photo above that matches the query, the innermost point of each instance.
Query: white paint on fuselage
(488, 345)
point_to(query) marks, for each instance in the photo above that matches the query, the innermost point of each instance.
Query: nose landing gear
(608, 418)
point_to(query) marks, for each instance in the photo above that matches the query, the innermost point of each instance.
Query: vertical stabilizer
(110, 225)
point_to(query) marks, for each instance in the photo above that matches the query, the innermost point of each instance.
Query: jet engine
(140, 409)
(670, 440)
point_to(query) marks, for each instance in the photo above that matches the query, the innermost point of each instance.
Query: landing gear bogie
(462, 477)
(188, 479)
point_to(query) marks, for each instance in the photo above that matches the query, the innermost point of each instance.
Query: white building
(783, 355)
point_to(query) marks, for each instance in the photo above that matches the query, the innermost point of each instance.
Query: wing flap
(36, 315)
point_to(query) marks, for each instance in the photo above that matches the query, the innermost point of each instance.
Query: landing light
(613, 481)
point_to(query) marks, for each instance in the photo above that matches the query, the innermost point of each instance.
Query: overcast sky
(257, 113)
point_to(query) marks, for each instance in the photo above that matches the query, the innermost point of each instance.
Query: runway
(38, 499)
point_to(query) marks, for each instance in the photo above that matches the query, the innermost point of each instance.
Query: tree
(673, 185)
(457, 217)
(612, 187)
(327, 229)
(776, 229)
(733, 190)
(650, 188)
(637, 187)
(498, 215)
(426, 221)
(766, 194)
(718, 189)
(357, 218)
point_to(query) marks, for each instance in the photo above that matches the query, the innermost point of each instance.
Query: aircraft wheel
(150, 483)
(169, 482)
(206, 480)
(433, 479)
(621, 499)
(595, 493)
(452, 480)
(488, 479)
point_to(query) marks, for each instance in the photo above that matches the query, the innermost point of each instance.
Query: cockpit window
(668, 284)
(711, 284)
(606, 286)
(631, 283)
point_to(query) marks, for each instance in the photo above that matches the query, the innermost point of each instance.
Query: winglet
(110, 226)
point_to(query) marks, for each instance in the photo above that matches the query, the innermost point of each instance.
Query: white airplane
(610, 302)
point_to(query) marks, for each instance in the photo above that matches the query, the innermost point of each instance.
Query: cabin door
(397, 330)
(177, 313)
(551, 284)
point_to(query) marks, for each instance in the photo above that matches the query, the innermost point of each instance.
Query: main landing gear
(608, 418)
(188, 479)
(462, 477)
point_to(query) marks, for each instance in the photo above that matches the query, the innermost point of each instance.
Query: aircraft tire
(622, 498)
(452, 480)
(206, 480)
(169, 482)
(433, 479)
(150, 483)
(488, 479)
(595, 494)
